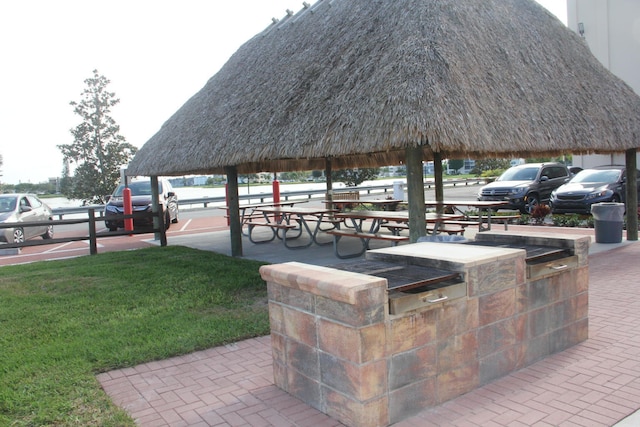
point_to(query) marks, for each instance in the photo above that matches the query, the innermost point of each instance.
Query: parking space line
(56, 248)
(186, 224)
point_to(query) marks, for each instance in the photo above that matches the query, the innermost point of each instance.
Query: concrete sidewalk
(595, 383)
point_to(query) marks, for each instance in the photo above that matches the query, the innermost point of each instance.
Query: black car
(141, 202)
(526, 186)
(593, 185)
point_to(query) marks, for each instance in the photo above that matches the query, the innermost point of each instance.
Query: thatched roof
(360, 80)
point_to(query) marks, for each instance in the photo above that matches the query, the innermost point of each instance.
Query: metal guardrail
(266, 197)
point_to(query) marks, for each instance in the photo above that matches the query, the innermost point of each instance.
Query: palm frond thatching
(360, 80)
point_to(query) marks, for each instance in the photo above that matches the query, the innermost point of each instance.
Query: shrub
(539, 213)
(571, 220)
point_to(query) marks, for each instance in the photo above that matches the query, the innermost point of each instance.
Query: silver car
(23, 208)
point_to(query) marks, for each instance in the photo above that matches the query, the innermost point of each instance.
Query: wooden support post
(632, 194)
(233, 201)
(437, 173)
(415, 193)
(158, 219)
(93, 239)
(329, 181)
(327, 173)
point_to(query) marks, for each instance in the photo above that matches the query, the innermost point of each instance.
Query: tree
(98, 150)
(456, 164)
(483, 165)
(354, 177)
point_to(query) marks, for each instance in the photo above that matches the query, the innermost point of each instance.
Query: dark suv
(141, 202)
(526, 186)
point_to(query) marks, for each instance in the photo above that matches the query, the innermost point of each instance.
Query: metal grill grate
(401, 277)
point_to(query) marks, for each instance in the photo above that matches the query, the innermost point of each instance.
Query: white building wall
(612, 31)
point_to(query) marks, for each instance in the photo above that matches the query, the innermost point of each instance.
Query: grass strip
(61, 322)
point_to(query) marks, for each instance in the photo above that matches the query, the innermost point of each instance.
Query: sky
(156, 53)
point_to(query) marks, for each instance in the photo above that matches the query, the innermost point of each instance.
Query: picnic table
(303, 221)
(484, 207)
(395, 221)
(249, 212)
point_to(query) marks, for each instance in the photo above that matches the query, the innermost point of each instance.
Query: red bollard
(276, 196)
(128, 209)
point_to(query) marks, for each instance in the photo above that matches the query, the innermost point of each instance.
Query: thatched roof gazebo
(376, 82)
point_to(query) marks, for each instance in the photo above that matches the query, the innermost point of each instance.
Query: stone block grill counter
(426, 323)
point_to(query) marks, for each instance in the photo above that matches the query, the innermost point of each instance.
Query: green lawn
(61, 322)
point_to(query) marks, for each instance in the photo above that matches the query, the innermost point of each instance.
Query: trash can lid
(608, 211)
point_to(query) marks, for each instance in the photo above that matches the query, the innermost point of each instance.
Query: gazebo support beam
(233, 202)
(437, 174)
(327, 175)
(632, 194)
(415, 193)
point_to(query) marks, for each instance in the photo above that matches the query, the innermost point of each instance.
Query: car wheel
(167, 221)
(49, 233)
(615, 199)
(18, 235)
(532, 202)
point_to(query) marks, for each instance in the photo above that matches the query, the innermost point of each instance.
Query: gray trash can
(443, 238)
(609, 221)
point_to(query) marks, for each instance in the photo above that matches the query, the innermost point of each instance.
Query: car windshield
(594, 175)
(7, 204)
(519, 174)
(138, 188)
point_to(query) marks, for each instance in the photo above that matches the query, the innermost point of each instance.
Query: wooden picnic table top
(365, 201)
(398, 216)
(266, 204)
(469, 203)
(295, 210)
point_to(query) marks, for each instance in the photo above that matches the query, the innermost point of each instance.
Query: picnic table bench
(274, 226)
(443, 227)
(503, 219)
(364, 239)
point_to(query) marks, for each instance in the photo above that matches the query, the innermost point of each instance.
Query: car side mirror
(171, 194)
(544, 178)
(24, 209)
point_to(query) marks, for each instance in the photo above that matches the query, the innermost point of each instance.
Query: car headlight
(112, 209)
(517, 191)
(598, 194)
(142, 208)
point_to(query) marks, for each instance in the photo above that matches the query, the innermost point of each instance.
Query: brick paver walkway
(595, 383)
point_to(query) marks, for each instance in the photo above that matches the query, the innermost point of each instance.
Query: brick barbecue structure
(337, 347)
